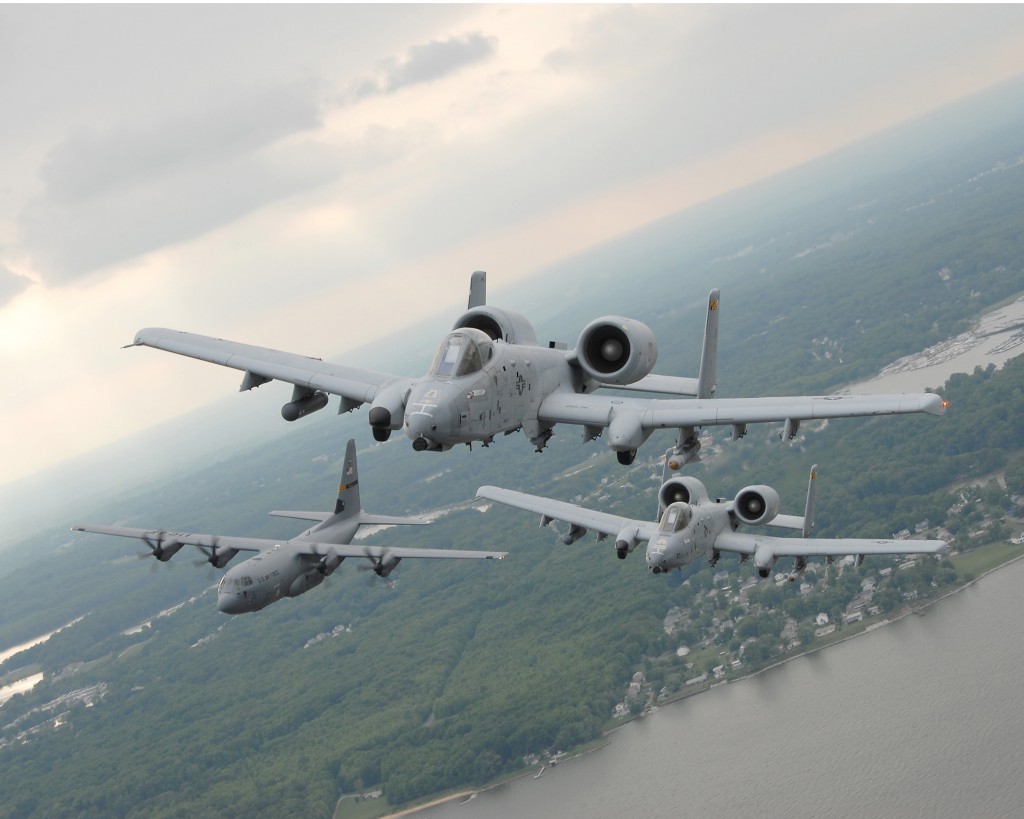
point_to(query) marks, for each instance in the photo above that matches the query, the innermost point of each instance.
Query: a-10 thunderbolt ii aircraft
(491, 376)
(290, 568)
(691, 525)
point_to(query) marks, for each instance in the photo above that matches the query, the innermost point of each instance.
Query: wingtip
(935, 404)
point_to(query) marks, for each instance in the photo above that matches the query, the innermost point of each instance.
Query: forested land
(451, 675)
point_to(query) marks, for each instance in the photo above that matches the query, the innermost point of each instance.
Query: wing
(160, 536)
(569, 512)
(771, 547)
(262, 364)
(641, 416)
(375, 552)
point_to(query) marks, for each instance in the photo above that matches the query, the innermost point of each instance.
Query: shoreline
(606, 736)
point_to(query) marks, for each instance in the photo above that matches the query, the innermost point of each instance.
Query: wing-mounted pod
(504, 325)
(304, 402)
(683, 489)
(756, 504)
(625, 541)
(387, 412)
(616, 350)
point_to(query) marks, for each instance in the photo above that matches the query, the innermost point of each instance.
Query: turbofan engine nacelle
(616, 350)
(684, 489)
(756, 504)
(503, 325)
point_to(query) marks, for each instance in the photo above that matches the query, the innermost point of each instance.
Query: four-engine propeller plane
(491, 376)
(288, 569)
(690, 524)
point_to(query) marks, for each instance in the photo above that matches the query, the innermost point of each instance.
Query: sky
(312, 178)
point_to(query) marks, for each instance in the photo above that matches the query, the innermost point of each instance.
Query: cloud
(428, 62)
(111, 196)
(87, 163)
(10, 285)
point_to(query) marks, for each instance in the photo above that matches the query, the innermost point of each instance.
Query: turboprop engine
(616, 350)
(756, 504)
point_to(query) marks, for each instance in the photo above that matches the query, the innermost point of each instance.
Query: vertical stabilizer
(707, 380)
(809, 509)
(478, 289)
(347, 504)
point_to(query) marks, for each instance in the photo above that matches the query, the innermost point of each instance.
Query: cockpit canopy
(464, 351)
(677, 516)
(232, 582)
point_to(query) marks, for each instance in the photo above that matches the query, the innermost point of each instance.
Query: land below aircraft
(690, 525)
(290, 568)
(491, 376)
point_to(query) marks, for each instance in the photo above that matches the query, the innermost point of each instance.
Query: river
(921, 718)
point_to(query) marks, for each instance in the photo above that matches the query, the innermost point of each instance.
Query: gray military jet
(290, 568)
(690, 525)
(491, 376)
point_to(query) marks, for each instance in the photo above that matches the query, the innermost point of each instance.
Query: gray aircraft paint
(690, 525)
(290, 568)
(515, 383)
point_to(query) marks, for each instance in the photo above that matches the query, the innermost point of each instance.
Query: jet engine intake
(616, 350)
(683, 489)
(756, 504)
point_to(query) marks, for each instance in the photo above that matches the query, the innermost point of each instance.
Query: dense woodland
(451, 675)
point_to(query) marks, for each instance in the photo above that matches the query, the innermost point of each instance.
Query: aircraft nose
(231, 603)
(426, 423)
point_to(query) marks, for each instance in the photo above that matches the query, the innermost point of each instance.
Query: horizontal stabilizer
(390, 520)
(663, 384)
(787, 522)
(317, 516)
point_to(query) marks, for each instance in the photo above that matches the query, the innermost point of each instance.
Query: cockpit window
(228, 582)
(463, 352)
(676, 517)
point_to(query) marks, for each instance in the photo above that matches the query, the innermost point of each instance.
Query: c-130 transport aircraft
(293, 567)
(691, 525)
(491, 376)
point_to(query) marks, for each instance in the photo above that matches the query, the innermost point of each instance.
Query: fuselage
(479, 388)
(282, 571)
(685, 533)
